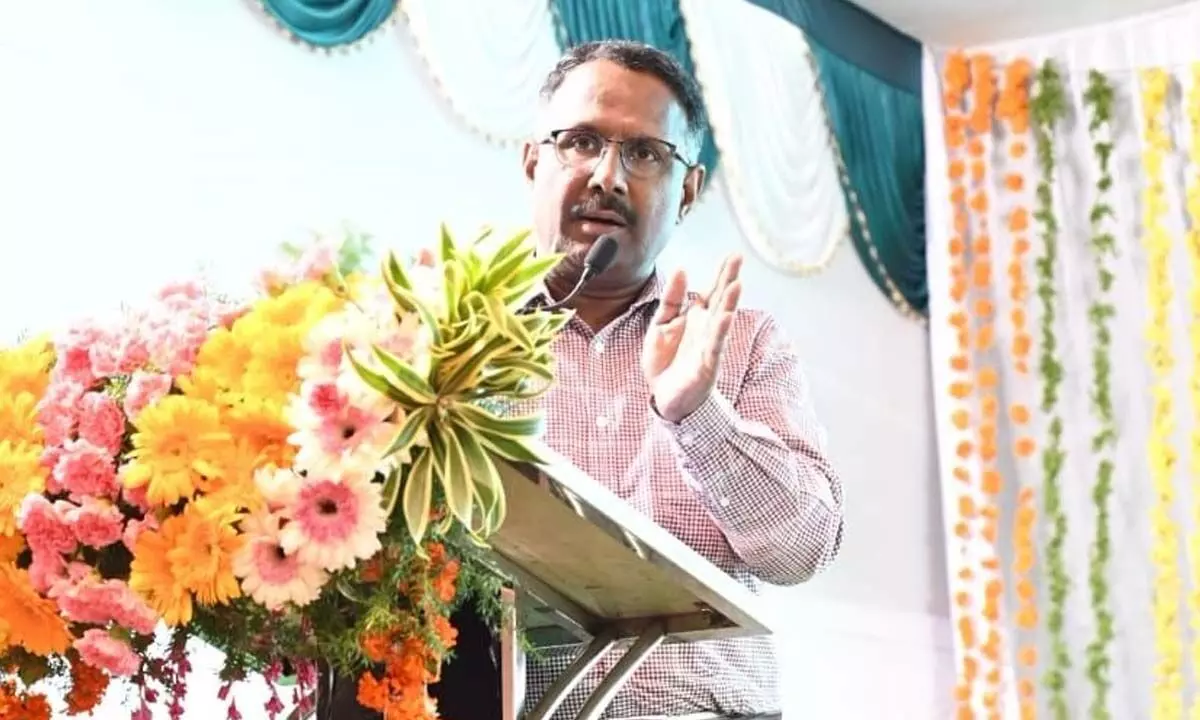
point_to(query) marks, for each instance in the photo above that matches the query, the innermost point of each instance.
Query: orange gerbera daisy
(28, 619)
(192, 553)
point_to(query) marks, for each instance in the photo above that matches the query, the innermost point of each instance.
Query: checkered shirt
(744, 481)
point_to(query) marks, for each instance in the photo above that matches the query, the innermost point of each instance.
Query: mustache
(605, 201)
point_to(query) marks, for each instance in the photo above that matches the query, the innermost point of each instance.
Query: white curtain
(1165, 40)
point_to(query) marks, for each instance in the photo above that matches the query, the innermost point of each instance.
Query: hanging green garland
(1098, 99)
(1049, 107)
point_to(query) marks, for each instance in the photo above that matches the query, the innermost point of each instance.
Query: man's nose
(608, 174)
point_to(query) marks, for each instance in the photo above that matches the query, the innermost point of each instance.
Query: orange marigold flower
(88, 685)
(1025, 447)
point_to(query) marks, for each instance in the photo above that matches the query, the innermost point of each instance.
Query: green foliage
(1048, 108)
(484, 350)
(1098, 99)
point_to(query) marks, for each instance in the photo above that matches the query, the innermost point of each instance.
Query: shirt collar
(649, 296)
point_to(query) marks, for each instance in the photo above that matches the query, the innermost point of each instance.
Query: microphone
(599, 256)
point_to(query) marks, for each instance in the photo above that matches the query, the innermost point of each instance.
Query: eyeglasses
(642, 157)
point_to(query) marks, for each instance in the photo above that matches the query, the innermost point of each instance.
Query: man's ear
(529, 157)
(693, 184)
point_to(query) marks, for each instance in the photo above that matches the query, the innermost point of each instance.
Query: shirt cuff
(707, 428)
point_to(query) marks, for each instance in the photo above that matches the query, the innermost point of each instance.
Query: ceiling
(981, 22)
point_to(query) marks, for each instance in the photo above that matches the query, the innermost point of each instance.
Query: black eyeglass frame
(552, 140)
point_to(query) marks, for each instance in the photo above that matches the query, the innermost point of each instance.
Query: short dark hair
(641, 58)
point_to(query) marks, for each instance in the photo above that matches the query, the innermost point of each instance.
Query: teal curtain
(654, 22)
(871, 74)
(329, 23)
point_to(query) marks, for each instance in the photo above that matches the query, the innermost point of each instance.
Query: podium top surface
(584, 560)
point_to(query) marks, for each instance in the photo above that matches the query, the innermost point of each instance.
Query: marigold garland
(971, 283)
(961, 389)
(1193, 245)
(1161, 455)
(1048, 108)
(1098, 99)
(1013, 110)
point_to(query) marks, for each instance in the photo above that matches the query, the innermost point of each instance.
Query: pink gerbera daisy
(334, 522)
(271, 576)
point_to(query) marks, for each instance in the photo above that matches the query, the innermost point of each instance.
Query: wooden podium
(586, 568)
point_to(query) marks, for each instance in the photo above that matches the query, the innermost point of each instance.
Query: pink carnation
(46, 570)
(145, 388)
(96, 523)
(98, 602)
(58, 410)
(119, 352)
(101, 422)
(105, 652)
(85, 469)
(136, 496)
(45, 528)
(134, 528)
(74, 362)
(316, 261)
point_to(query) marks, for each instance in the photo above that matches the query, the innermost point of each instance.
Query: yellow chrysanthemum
(21, 473)
(301, 305)
(18, 418)
(27, 619)
(237, 490)
(180, 443)
(26, 368)
(262, 426)
(188, 559)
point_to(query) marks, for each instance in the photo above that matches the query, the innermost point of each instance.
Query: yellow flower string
(1098, 99)
(957, 82)
(1193, 245)
(1013, 110)
(1048, 108)
(1168, 631)
(982, 311)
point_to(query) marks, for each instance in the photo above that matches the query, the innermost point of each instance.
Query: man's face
(596, 194)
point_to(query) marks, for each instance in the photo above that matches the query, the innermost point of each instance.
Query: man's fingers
(720, 320)
(671, 303)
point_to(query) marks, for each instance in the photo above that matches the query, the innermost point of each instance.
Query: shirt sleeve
(760, 466)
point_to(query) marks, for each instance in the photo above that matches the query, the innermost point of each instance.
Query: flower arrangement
(1160, 453)
(1048, 108)
(1013, 111)
(1098, 99)
(305, 477)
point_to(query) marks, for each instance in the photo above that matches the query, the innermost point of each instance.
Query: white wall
(141, 140)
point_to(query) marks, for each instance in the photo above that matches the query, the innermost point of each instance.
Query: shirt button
(602, 421)
(723, 501)
(598, 347)
(687, 439)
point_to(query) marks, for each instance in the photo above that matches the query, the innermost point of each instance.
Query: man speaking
(691, 409)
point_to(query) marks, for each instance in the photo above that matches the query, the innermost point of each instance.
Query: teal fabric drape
(329, 23)
(871, 74)
(654, 22)
(880, 130)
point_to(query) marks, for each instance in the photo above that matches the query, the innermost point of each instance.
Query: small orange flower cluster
(16, 704)
(412, 657)
(88, 686)
(1013, 110)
